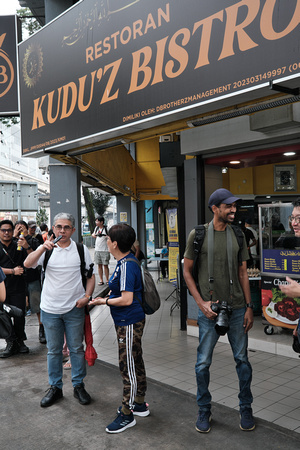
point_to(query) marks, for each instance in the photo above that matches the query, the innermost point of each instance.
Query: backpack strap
(240, 240)
(200, 231)
(134, 260)
(48, 253)
(138, 263)
(80, 250)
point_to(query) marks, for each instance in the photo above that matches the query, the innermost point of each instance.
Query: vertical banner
(172, 229)
(9, 102)
(150, 239)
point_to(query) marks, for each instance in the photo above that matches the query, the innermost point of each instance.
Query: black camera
(11, 310)
(224, 311)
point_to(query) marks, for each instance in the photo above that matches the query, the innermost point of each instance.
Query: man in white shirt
(62, 307)
(102, 254)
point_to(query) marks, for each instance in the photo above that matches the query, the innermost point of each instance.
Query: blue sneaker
(121, 423)
(247, 421)
(138, 409)
(203, 421)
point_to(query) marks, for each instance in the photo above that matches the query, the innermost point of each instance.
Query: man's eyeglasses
(66, 228)
(6, 230)
(294, 219)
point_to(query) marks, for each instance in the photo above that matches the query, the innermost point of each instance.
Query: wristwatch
(89, 297)
(250, 305)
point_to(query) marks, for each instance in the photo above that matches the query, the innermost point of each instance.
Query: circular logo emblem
(7, 73)
(32, 65)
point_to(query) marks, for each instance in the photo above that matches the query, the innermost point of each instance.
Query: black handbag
(296, 339)
(296, 344)
(6, 312)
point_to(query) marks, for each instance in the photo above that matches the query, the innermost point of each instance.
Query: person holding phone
(62, 307)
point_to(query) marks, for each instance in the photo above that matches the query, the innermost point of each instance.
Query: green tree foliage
(9, 121)
(29, 23)
(89, 207)
(41, 216)
(100, 202)
(95, 203)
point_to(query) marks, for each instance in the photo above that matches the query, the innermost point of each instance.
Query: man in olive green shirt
(223, 205)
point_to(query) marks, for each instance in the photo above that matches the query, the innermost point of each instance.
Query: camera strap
(210, 257)
(7, 254)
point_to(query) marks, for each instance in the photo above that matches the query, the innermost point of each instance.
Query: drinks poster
(172, 229)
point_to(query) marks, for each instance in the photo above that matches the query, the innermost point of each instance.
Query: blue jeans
(208, 338)
(71, 323)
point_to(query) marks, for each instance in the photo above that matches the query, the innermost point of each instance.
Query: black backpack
(150, 297)
(200, 231)
(84, 273)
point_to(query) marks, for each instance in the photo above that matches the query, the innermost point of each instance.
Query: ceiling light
(234, 162)
(289, 154)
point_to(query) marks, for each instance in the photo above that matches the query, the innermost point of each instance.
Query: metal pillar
(65, 194)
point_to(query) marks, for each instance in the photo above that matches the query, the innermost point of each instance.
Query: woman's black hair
(124, 235)
(296, 203)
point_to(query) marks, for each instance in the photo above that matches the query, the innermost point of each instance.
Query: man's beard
(227, 220)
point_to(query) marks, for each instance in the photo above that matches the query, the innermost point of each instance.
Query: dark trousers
(163, 268)
(18, 331)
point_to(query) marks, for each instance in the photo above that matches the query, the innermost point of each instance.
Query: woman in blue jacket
(129, 319)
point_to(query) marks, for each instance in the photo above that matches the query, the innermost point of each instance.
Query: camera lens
(222, 323)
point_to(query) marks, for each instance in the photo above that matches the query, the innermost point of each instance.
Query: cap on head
(221, 196)
(31, 224)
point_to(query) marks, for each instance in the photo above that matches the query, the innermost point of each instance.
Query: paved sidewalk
(69, 425)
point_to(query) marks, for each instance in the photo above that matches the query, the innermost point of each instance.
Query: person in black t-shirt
(33, 277)
(11, 262)
(250, 240)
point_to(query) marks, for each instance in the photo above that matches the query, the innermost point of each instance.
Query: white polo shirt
(63, 282)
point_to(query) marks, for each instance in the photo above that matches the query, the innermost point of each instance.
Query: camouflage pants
(131, 361)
